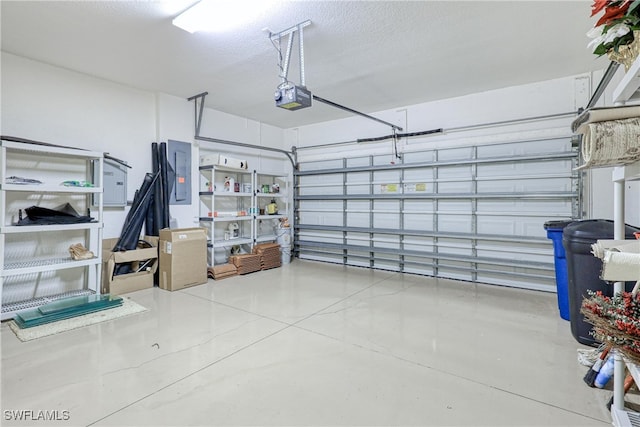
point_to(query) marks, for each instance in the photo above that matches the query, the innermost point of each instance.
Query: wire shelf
(623, 418)
(41, 265)
(36, 263)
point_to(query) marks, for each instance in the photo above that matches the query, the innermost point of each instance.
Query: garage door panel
(541, 168)
(524, 185)
(320, 218)
(358, 189)
(462, 153)
(454, 172)
(454, 247)
(455, 223)
(513, 251)
(512, 226)
(357, 161)
(418, 205)
(422, 222)
(358, 219)
(419, 244)
(455, 187)
(358, 178)
(524, 207)
(420, 175)
(386, 177)
(540, 146)
(419, 156)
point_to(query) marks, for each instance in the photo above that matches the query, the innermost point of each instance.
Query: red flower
(613, 12)
(598, 5)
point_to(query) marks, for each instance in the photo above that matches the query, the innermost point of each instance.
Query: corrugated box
(123, 283)
(183, 258)
(220, 160)
(208, 159)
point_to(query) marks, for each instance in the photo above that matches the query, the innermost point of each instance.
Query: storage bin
(584, 269)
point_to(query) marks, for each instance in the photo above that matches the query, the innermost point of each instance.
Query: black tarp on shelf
(65, 214)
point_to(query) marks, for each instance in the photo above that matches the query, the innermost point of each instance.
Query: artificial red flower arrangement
(615, 27)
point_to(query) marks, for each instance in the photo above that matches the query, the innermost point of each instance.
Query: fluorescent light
(220, 15)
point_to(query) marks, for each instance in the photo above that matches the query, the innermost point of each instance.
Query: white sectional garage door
(473, 213)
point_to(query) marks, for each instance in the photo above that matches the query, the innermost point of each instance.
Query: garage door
(473, 213)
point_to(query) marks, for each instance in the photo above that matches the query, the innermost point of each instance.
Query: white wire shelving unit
(49, 163)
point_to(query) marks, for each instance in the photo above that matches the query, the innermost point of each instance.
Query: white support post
(618, 287)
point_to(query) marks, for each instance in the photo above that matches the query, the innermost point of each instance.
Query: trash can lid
(595, 229)
(558, 224)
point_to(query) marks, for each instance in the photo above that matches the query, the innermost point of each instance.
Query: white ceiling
(367, 55)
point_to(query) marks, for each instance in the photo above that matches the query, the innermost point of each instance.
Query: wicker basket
(627, 54)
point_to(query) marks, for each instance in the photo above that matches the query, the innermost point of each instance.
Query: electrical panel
(114, 184)
(179, 158)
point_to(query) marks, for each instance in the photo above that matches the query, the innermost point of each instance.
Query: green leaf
(633, 6)
(632, 20)
(600, 50)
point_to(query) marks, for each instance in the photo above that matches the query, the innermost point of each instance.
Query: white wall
(58, 106)
(546, 98)
(55, 105)
(219, 125)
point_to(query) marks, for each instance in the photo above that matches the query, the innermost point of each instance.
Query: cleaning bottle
(606, 372)
(272, 208)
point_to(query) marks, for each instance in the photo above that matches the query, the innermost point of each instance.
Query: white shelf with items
(35, 265)
(226, 200)
(620, 176)
(231, 242)
(271, 188)
(256, 224)
(626, 91)
(49, 188)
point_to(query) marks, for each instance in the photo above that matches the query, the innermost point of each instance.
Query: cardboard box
(183, 258)
(230, 162)
(220, 160)
(123, 283)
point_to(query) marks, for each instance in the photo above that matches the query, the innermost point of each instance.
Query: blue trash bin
(554, 232)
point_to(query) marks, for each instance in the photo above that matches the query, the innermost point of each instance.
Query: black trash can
(584, 269)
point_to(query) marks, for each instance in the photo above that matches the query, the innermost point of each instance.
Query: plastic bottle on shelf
(272, 208)
(606, 372)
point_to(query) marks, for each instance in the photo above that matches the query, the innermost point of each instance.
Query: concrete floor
(312, 344)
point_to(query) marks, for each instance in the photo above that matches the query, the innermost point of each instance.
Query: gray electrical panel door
(114, 184)
(179, 158)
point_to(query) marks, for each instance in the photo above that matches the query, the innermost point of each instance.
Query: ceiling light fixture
(220, 15)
